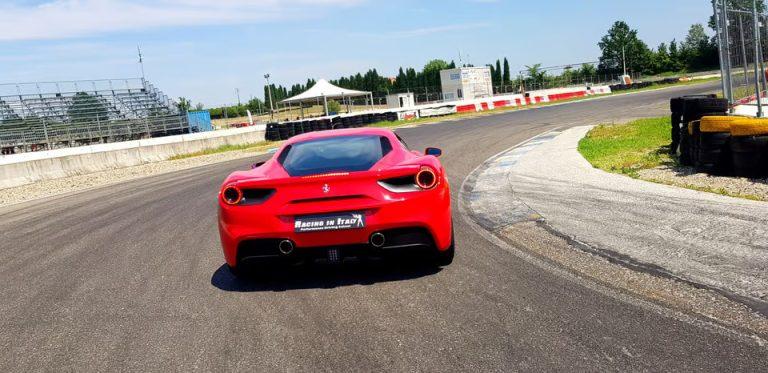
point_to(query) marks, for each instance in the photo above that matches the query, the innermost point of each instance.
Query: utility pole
(237, 91)
(624, 54)
(624, 57)
(269, 91)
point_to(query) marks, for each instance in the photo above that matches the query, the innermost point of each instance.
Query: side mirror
(255, 165)
(433, 151)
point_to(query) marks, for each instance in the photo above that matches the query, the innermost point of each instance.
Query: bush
(334, 106)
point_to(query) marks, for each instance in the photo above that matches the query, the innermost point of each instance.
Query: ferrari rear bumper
(420, 220)
(395, 242)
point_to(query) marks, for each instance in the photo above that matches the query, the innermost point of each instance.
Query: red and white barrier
(530, 98)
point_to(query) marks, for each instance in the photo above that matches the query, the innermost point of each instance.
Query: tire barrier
(691, 109)
(714, 153)
(717, 143)
(284, 130)
(694, 134)
(272, 133)
(749, 147)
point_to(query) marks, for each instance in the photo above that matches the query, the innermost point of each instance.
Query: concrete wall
(25, 168)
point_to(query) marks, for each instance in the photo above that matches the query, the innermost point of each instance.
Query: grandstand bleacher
(38, 116)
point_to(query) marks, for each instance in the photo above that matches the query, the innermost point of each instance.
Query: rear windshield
(336, 154)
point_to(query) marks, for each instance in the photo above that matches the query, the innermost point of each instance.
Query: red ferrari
(337, 194)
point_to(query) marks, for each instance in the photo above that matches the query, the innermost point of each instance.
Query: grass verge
(256, 147)
(628, 148)
(640, 145)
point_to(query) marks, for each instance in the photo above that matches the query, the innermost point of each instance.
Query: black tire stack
(749, 148)
(272, 133)
(284, 130)
(693, 109)
(298, 128)
(346, 122)
(380, 117)
(713, 148)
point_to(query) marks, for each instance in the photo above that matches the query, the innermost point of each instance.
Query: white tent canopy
(322, 90)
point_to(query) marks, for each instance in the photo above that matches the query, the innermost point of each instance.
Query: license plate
(331, 222)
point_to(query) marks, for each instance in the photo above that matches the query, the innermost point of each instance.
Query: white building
(466, 83)
(400, 100)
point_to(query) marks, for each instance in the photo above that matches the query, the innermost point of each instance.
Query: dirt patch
(687, 177)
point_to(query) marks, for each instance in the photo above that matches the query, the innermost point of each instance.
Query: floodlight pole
(269, 90)
(141, 64)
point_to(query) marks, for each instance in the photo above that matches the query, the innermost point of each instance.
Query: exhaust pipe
(285, 247)
(377, 240)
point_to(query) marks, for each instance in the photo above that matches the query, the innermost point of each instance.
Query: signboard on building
(466, 83)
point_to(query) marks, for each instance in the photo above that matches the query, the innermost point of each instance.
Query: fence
(424, 95)
(36, 116)
(741, 36)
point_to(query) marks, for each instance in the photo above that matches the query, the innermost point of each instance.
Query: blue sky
(204, 49)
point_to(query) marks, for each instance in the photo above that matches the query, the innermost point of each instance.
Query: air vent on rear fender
(401, 184)
(256, 196)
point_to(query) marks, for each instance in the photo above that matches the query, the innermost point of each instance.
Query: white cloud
(60, 19)
(438, 29)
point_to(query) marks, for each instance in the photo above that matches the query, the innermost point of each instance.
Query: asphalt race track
(131, 277)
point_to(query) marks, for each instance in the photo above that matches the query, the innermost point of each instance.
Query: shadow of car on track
(321, 276)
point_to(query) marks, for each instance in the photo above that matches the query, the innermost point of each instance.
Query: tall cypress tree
(506, 78)
(498, 72)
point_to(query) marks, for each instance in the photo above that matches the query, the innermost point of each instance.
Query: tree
(739, 5)
(493, 73)
(506, 77)
(675, 59)
(497, 76)
(431, 73)
(698, 50)
(184, 104)
(334, 106)
(661, 59)
(254, 105)
(622, 43)
(587, 70)
(535, 73)
(86, 108)
(199, 106)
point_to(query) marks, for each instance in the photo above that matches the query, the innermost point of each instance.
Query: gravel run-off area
(687, 177)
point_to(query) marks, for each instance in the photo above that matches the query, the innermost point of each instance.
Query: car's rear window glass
(335, 154)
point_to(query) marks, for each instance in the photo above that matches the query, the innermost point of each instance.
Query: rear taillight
(232, 195)
(426, 178)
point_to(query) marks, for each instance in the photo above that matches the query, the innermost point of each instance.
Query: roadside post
(758, 58)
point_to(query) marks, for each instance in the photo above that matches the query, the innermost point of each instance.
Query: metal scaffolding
(48, 115)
